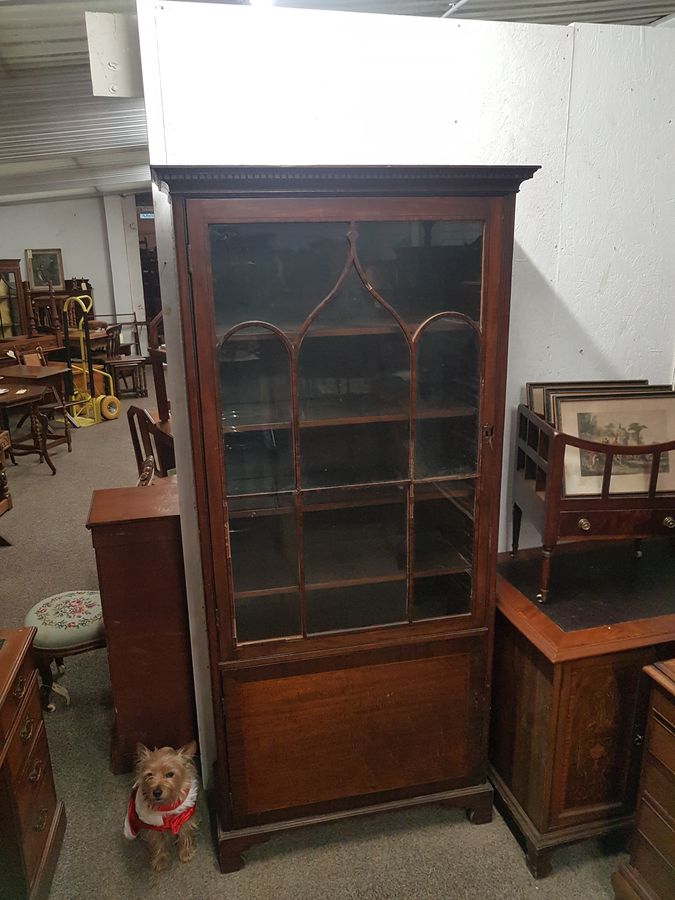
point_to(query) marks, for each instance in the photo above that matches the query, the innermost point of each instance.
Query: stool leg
(47, 678)
(60, 665)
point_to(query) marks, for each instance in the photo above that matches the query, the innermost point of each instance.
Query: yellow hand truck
(89, 403)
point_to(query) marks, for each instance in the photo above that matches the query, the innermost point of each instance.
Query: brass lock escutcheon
(584, 524)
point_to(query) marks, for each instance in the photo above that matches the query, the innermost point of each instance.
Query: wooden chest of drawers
(650, 873)
(32, 820)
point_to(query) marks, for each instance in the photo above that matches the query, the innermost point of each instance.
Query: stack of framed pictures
(595, 460)
(629, 413)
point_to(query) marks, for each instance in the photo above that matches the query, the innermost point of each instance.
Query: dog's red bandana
(158, 818)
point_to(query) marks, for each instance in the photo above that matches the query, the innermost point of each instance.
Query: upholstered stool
(67, 624)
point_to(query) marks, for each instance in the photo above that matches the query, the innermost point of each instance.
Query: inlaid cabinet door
(600, 737)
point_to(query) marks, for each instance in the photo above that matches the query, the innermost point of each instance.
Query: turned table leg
(517, 519)
(542, 596)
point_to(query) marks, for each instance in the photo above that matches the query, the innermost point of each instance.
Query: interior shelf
(256, 506)
(322, 414)
(355, 553)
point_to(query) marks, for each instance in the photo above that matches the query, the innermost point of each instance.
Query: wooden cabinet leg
(481, 812)
(538, 861)
(230, 851)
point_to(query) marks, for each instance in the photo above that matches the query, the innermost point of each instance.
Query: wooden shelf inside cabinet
(320, 414)
(354, 330)
(608, 514)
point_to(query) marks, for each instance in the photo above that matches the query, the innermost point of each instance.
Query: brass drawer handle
(20, 688)
(669, 522)
(42, 820)
(27, 731)
(638, 739)
(36, 771)
(584, 524)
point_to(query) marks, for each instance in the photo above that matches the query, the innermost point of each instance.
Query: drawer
(17, 692)
(653, 868)
(665, 707)
(28, 723)
(627, 522)
(657, 831)
(662, 744)
(36, 803)
(659, 786)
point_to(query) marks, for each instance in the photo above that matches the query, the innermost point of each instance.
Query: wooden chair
(123, 367)
(148, 439)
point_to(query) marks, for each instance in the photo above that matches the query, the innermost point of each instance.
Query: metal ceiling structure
(56, 139)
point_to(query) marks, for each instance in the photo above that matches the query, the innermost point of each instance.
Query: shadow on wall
(548, 341)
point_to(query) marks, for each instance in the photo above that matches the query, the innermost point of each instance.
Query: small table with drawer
(32, 820)
(650, 872)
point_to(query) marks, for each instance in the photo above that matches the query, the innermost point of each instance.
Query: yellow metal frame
(87, 407)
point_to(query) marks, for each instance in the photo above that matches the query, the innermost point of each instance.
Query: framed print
(45, 266)
(535, 389)
(550, 394)
(644, 417)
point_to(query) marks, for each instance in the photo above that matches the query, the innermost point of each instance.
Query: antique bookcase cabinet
(345, 335)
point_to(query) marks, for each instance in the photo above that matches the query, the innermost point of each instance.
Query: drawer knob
(36, 771)
(27, 730)
(669, 521)
(584, 524)
(19, 688)
(638, 739)
(42, 820)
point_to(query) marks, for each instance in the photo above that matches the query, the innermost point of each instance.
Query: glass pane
(360, 606)
(275, 272)
(442, 595)
(10, 320)
(422, 268)
(264, 553)
(354, 536)
(272, 616)
(259, 461)
(255, 401)
(353, 393)
(254, 374)
(354, 454)
(443, 549)
(446, 431)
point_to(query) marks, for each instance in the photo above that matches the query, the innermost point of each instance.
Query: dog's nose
(157, 793)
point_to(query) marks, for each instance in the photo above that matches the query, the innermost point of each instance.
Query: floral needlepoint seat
(67, 624)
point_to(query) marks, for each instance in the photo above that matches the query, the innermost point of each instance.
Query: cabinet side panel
(520, 735)
(316, 738)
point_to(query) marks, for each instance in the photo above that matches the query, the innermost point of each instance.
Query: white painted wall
(75, 226)
(594, 267)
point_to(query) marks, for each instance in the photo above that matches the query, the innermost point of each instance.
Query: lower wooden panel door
(311, 737)
(599, 746)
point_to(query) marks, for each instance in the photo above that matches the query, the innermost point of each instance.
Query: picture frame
(640, 417)
(535, 390)
(43, 267)
(550, 395)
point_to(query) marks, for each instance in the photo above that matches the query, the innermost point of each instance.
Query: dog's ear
(142, 753)
(188, 751)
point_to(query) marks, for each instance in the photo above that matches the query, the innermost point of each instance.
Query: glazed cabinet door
(349, 367)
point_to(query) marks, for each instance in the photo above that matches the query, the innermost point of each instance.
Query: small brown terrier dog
(162, 802)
